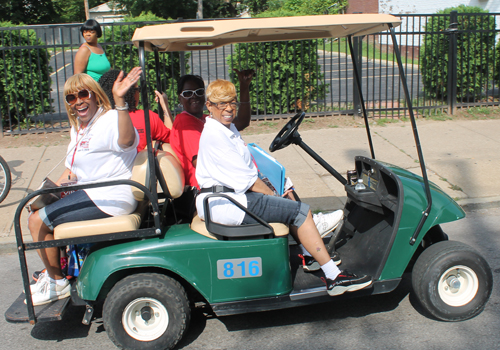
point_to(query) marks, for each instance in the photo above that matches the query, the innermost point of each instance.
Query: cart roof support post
(360, 92)
(402, 75)
(151, 157)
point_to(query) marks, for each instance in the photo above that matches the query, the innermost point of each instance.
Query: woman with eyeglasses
(102, 148)
(160, 131)
(188, 125)
(225, 162)
(90, 57)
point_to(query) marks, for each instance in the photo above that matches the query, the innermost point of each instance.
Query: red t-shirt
(185, 140)
(159, 131)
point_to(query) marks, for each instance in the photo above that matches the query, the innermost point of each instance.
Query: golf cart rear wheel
(146, 311)
(452, 281)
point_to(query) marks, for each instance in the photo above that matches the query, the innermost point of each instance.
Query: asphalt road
(391, 321)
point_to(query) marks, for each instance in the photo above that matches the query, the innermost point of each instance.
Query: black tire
(159, 296)
(5, 179)
(452, 281)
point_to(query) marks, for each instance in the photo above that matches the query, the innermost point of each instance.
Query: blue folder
(269, 168)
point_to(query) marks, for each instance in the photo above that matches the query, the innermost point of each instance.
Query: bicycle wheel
(5, 179)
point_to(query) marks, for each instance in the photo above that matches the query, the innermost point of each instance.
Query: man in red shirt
(188, 125)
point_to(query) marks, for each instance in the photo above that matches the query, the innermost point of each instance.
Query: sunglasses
(189, 93)
(223, 105)
(82, 95)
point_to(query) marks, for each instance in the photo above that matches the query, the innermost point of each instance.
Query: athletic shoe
(309, 264)
(346, 282)
(326, 223)
(50, 291)
(36, 274)
(39, 283)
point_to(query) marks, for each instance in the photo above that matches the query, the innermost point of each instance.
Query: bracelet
(122, 108)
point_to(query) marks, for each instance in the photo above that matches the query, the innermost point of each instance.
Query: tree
(124, 56)
(73, 11)
(28, 11)
(25, 88)
(474, 49)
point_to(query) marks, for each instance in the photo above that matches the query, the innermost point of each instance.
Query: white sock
(304, 250)
(60, 282)
(330, 270)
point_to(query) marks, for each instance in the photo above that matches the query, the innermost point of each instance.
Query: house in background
(111, 11)
(416, 7)
(410, 45)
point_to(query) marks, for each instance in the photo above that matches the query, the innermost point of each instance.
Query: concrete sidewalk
(461, 157)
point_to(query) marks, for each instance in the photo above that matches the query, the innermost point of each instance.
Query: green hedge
(288, 76)
(123, 55)
(25, 86)
(474, 51)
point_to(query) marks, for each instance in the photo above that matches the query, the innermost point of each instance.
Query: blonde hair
(83, 81)
(221, 91)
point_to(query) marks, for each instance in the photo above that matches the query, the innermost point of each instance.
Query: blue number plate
(239, 268)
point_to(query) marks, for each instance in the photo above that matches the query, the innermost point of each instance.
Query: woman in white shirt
(224, 160)
(102, 148)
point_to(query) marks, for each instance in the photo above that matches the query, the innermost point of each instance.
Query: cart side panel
(444, 209)
(247, 269)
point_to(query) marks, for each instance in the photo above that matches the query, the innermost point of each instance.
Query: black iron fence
(450, 61)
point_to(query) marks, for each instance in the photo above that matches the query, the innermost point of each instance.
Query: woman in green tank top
(90, 57)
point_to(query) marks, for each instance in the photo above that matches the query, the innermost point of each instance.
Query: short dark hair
(189, 77)
(91, 24)
(107, 80)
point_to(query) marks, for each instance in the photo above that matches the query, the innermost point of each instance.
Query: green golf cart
(150, 272)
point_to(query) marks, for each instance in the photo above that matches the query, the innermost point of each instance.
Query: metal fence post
(357, 48)
(452, 62)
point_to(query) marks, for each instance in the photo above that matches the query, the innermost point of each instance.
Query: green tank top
(97, 65)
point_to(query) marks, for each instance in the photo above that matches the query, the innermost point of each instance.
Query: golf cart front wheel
(146, 311)
(452, 281)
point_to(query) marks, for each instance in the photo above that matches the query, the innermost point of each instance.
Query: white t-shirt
(98, 158)
(224, 159)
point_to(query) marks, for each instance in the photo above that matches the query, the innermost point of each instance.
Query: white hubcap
(145, 319)
(458, 285)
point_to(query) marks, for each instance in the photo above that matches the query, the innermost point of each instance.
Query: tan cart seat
(174, 177)
(170, 168)
(198, 226)
(122, 223)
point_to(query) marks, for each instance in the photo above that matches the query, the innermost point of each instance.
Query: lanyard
(86, 131)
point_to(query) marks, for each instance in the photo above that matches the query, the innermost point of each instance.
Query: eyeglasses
(189, 93)
(223, 105)
(82, 95)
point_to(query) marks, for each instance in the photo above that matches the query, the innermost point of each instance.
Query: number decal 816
(239, 268)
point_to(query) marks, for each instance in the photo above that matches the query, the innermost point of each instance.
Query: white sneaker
(50, 291)
(41, 280)
(326, 223)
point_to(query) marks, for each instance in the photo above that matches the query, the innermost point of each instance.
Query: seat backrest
(170, 168)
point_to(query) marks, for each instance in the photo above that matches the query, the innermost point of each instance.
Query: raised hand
(244, 77)
(122, 85)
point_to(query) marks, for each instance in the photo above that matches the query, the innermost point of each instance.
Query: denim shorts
(76, 206)
(275, 209)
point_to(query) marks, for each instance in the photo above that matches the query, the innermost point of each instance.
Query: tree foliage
(25, 89)
(282, 8)
(288, 77)
(124, 56)
(28, 11)
(474, 50)
(73, 11)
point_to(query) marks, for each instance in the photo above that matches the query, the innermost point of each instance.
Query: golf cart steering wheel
(287, 134)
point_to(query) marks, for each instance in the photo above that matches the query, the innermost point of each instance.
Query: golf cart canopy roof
(209, 34)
